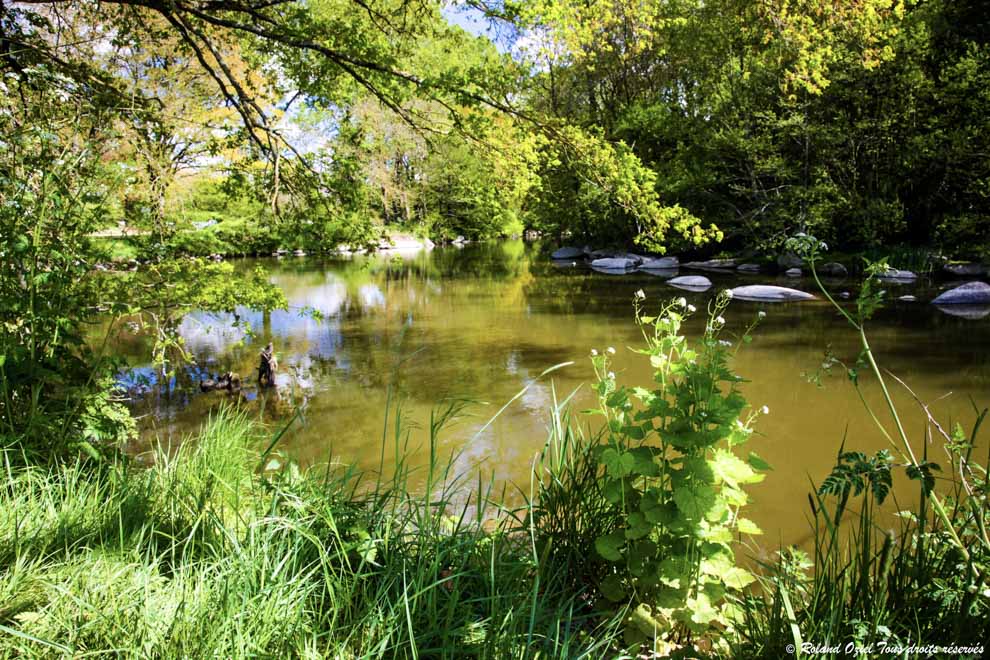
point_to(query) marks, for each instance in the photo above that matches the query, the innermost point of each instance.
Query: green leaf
(732, 470)
(737, 578)
(617, 399)
(618, 464)
(747, 526)
(618, 490)
(694, 501)
(644, 463)
(758, 463)
(633, 432)
(637, 526)
(610, 545)
(702, 611)
(613, 588)
(646, 623)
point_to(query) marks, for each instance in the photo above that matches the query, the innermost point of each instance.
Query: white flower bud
(610, 350)
(611, 375)
(765, 410)
(594, 353)
(640, 295)
(692, 309)
(681, 302)
(761, 314)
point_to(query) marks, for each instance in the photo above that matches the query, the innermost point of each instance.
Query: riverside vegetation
(241, 127)
(627, 540)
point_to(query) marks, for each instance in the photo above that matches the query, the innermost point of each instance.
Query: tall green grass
(206, 554)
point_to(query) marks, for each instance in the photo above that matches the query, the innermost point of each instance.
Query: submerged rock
(663, 273)
(661, 263)
(691, 282)
(765, 292)
(971, 293)
(712, 264)
(568, 253)
(793, 272)
(965, 270)
(833, 269)
(908, 298)
(748, 268)
(789, 260)
(614, 264)
(898, 275)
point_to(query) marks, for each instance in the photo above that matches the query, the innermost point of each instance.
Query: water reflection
(483, 322)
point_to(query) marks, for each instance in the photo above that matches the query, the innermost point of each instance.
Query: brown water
(483, 322)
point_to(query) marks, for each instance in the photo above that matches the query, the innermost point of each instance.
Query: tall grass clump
(210, 554)
(869, 588)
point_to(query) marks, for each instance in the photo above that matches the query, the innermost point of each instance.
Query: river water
(482, 323)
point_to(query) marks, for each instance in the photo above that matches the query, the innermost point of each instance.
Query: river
(481, 323)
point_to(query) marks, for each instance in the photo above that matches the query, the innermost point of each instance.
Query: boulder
(793, 272)
(971, 293)
(748, 268)
(568, 253)
(614, 265)
(629, 255)
(833, 269)
(691, 282)
(908, 298)
(789, 260)
(712, 264)
(965, 270)
(892, 274)
(661, 263)
(767, 293)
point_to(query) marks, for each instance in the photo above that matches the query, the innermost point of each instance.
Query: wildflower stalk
(811, 252)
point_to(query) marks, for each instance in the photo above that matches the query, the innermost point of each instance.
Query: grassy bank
(206, 555)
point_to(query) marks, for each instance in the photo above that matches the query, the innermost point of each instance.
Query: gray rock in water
(663, 273)
(568, 253)
(971, 293)
(892, 274)
(661, 263)
(767, 293)
(844, 295)
(691, 282)
(629, 255)
(789, 260)
(908, 298)
(614, 265)
(748, 268)
(712, 264)
(965, 270)
(300, 253)
(793, 272)
(833, 269)
(971, 312)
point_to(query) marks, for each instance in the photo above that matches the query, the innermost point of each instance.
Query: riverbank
(223, 548)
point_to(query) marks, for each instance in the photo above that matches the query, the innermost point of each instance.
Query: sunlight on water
(483, 322)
